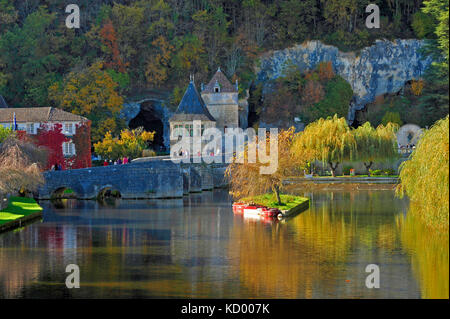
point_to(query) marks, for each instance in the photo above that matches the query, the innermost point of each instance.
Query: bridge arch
(108, 191)
(64, 191)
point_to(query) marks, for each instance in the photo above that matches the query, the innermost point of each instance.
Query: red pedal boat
(256, 210)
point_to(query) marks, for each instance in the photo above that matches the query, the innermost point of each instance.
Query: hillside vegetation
(126, 47)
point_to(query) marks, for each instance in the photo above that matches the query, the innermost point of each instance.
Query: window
(190, 129)
(30, 128)
(177, 130)
(216, 89)
(68, 149)
(68, 128)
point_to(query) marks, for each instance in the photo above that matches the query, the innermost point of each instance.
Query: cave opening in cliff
(151, 122)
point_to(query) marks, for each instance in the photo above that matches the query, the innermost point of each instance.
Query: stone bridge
(145, 179)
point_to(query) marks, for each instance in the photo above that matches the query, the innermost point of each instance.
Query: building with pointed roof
(221, 99)
(192, 115)
(216, 107)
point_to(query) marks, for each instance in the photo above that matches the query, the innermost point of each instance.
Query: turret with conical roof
(192, 106)
(191, 115)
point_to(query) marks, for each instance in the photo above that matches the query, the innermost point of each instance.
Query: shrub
(376, 172)
(148, 153)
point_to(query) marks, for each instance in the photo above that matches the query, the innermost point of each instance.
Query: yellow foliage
(131, 143)
(424, 177)
(417, 87)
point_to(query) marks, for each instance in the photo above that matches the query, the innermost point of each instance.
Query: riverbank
(342, 180)
(19, 211)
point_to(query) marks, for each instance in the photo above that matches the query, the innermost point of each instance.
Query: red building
(67, 136)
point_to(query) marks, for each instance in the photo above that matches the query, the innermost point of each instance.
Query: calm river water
(195, 247)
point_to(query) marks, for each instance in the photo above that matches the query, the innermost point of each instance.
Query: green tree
(374, 145)
(338, 94)
(391, 117)
(330, 140)
(5, 132)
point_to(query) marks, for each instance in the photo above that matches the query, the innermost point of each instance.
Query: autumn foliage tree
(109, 38)
(130, 143)
(92, 93)
(425, 177)
(245, 173)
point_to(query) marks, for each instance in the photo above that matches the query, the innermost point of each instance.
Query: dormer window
(216, 89)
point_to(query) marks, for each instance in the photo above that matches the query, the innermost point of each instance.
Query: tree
(158, 63)
(330, 140)
(439, 10)
(338, 94)
(130, 143)
(425, 176)
(391, 117)
(378, 144)
(90, 92)
(245, 176)
(5, 132)
(109, 39)
(20, 163)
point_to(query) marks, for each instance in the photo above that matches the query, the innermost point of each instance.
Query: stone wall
(150, 178)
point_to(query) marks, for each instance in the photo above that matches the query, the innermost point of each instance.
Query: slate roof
(38, 114)
(224, 84)
(192, 107)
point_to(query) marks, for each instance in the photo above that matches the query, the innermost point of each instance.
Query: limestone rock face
(381, 68)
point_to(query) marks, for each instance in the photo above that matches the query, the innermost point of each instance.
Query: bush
(376, 172)
(148, 153)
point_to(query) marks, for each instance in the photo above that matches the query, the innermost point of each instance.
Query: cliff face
(381, 68)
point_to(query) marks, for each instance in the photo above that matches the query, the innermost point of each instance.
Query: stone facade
(221, 99)
(140, 179)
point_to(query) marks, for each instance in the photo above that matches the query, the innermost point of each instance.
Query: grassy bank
(270, 200)
(18, 207)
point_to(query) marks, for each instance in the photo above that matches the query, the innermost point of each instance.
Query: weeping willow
(378, 144)
(331, 140)
(424, 177)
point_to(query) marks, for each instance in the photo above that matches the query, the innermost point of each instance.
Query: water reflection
(196, 247)
(429, 254)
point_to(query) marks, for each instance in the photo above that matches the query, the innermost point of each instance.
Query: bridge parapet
(154, 179)
(139, 179)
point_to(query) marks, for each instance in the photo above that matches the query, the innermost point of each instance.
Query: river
(195, 247)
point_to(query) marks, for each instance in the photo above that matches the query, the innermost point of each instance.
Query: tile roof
(224, 84)
(192, 107)
(38, 114)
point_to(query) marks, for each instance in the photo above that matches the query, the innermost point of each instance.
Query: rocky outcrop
(379, 69)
